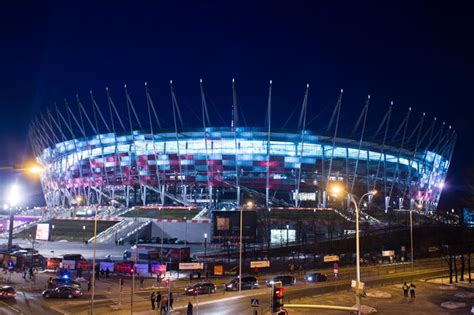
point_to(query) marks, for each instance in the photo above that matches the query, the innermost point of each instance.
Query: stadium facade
(107, 162)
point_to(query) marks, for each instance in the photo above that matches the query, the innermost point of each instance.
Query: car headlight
(310, 278)
(229, 285)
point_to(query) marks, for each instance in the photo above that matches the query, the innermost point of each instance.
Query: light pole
(13, 198)
(205, 245)
(336, 190)
(287, 234)
(52, 233)
(249, 205)
(83, 233)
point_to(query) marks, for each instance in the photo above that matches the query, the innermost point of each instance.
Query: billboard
(468, 216)
(42, 232)
(282, 236)
(226, 225)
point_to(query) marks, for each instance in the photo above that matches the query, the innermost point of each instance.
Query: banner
(191, 266)
(260, 264)
(158, 268)
(331, 258)
(69, 264)
(42, 232)
(106, 264)
(218, 270)
(141, 269)
(388, 253)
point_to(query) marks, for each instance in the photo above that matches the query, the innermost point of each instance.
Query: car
(315, 277)
(66, 281)
(248, 282)
(284, 279)
(200, 288)
(7, 292)
(62, 292)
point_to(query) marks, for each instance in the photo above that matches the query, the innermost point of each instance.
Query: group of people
(162, 303)
(411, 287)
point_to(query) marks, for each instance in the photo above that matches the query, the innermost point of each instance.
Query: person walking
(412, 290)
(164, 306)
(50, 283)
(405, 289)
(89, 285)
(153, 300)
(170, 299)
(189, 310)
(107, 272)
(158, 299)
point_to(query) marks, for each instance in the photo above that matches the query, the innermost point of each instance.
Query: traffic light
(277, 298)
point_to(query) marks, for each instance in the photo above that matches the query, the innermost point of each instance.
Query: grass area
(166, 214)
(71, 230)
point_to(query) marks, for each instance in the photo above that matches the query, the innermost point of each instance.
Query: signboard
(141, 269)
(106, 264)
(388, 253)
(218, 270)
(331, 258)
(123, 267)
(53, 263)
(468, 217)
(282, 236)
(69, 264)
(158, 268)
(260, 264)
(226, 225)
(42, 232)
(191, 266)
(254, 302)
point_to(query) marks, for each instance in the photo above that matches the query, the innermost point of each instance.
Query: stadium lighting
(249, 204)
(336, 190)
(13, 195)
(35, 169)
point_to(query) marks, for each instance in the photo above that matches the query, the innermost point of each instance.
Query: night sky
(416, 54)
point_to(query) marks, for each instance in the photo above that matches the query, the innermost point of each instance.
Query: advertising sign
(388, 253)
(42, 231)
(69, 264)
(141, 269)
(191, 266)
(123, 267)
(106, 264)
(468, 216)
(260, 264)
(282, 236)
(218, 270)
(331, 258)
(226, 225)
(158, 268)
(53, 263)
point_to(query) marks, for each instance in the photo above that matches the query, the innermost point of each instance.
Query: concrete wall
(192, 230)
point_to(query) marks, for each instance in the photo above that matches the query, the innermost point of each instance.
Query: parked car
(66, 281)
(285, 280)
(7, 292)
(200, 288)
(248, 282)
(62, 292)
(315, 277)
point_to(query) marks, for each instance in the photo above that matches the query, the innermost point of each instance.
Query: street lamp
(52, 232)
(336, 190)
(287, 234)
(83, 233)
(13, 198)
(205, 244)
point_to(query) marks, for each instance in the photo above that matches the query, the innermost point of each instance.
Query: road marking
(12, 308)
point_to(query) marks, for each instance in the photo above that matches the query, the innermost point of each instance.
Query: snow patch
(453, 305)
(379, 294)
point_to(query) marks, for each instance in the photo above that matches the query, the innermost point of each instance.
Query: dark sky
(418, 54)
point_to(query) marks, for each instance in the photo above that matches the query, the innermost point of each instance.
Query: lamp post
(287, 234)
(13, 198)
(52, 233)
(249, 205)
(205, 244)
(336, 190)
(83, 233)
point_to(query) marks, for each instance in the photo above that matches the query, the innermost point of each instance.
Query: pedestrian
(50, 283)
(30, 272)
(158, 299)
(24, 273)
(412, 290)
(107, 272)
(164, 306)
(141, 282)
(121, 284)
(405, 289)
(170, 299)
(89, 285)
(97, 274)
(153, 300)
(102, 272)
(190, 308)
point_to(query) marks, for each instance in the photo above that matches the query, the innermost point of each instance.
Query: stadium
(100, 157)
